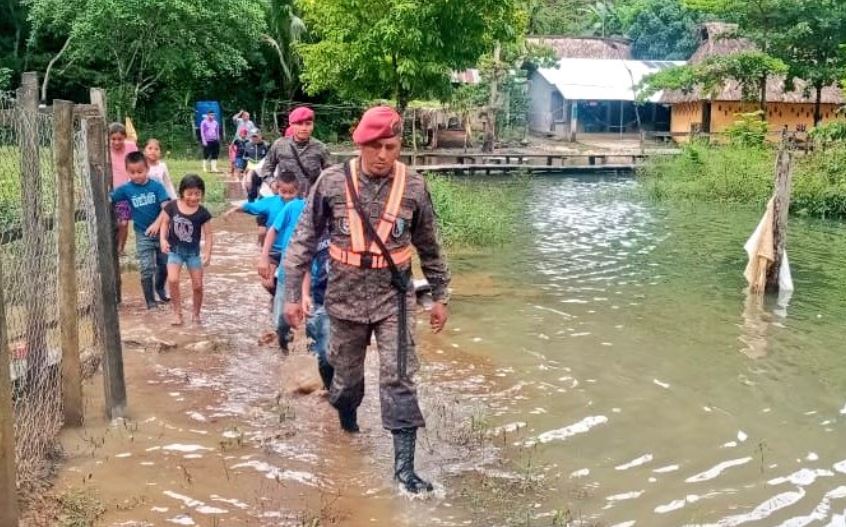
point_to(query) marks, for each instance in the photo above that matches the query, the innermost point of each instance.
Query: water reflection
(619, 337)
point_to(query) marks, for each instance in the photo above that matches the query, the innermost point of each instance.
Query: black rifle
(399, 280)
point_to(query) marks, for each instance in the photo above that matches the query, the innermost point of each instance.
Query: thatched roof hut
(719, 39)
(585, 47)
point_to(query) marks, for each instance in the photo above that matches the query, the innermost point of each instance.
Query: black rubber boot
(149, 293)
(284, 338)
(405, 441)
(349, 421)
(161, 278)
(326, 373)
(162, 294)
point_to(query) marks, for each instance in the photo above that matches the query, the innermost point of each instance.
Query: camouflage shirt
(313, 155)
(353, 293)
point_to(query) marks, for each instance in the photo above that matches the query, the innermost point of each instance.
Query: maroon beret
(300, 114)
(380, 122)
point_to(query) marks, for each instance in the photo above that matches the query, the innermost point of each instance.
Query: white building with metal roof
(594, 96)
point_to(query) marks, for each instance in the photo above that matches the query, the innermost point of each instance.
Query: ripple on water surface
(626, 308)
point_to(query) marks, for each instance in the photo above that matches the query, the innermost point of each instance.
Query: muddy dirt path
(215, 436)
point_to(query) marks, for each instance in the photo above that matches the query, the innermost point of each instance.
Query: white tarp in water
(761, 254)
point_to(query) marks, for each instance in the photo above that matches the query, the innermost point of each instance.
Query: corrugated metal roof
(602, 79)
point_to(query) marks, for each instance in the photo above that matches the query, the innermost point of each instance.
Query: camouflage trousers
(348, 343)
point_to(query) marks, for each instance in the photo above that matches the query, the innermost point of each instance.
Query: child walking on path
(278, 236)
(184, 223)
(145, 198)
(119, 148)
(158, 168)
(265, 209)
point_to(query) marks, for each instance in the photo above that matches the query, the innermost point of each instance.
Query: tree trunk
(399, 94)
(818, 105)
(50, 67)
(764, 97)
(490, 129)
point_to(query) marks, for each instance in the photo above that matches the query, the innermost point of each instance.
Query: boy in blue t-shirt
(278, 236)
(146, 199)
(267, 209)
(317, 324)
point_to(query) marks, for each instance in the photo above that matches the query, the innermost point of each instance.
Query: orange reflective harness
(376, 255)
(372, 256)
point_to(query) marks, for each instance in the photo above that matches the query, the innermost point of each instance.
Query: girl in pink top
(119, 147)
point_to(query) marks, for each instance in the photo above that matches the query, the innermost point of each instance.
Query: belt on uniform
(369, 260)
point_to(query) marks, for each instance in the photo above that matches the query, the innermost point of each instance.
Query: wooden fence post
(36, 341)
(108, 320)
(68, 293)
(8, 485)
(98, 99)
(781, 208)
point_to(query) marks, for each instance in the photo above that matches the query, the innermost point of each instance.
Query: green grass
(215, 199)
(744, 175)
(476, 213)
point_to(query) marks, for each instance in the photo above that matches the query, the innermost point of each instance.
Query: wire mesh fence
(29, 262)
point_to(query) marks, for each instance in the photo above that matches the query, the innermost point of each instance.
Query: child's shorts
(123, 210)
(190, 259)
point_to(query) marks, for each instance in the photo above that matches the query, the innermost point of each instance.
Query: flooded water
(606, 370)
(659, 393)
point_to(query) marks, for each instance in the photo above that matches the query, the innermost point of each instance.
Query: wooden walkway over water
(533, 163)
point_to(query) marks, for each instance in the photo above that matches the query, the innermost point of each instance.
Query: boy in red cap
(375, 210)
(300, 153)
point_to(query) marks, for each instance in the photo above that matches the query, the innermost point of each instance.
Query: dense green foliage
(744, 175)
(139, 46)
(748, 130)
(664, 30)
(400, 49)
(476, 214)
(750, 69)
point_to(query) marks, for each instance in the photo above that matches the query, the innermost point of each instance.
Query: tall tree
(663, 30)
(14, 30)
(139, 45)
(812, 44)
(749, 69)
(400, 49)
(758, 20)
(285, 29)
(557, 17)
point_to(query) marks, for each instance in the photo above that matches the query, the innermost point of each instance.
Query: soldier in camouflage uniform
(360, 298)
(300, 153)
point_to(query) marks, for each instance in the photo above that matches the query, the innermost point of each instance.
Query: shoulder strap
(398, 279)
(299, 161)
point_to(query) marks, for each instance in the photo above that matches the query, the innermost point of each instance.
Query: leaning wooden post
(65, 217)
(113, 380)
(98, 99)
(781, 208)
(8, 485)
(36, 341)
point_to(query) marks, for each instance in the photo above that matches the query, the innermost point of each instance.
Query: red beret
(300, 114)
(289, 132)
(380, 122)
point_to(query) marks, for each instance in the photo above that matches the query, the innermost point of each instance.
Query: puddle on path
(215, 437)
